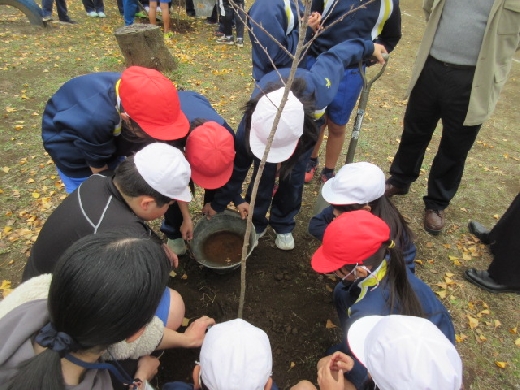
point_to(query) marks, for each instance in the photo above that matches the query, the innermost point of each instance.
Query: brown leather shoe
(391, 190)
(433, 221)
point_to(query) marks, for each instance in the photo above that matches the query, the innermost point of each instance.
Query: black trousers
(441, 92)
(505, 247)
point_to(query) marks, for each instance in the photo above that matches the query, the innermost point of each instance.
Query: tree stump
(143, 45)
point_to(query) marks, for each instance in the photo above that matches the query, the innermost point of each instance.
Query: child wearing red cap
(210, 150)
(95, 119)
(354, 247)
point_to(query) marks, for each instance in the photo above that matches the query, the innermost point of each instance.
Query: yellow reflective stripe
(117, 128)
(319, 113)
(370, 281)
(290, 17)
(385, 11)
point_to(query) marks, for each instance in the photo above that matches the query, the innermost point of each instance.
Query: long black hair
(310, 130)
(403, 299)
(106, 287)
(383, 208)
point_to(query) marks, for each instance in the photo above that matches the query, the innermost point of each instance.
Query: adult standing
(61, 8)
(457, 81)
(379, 21)
(503, 274)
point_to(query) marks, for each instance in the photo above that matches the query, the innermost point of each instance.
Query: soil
(284, 297)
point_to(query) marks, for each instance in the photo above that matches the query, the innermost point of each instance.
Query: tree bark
(143, 45)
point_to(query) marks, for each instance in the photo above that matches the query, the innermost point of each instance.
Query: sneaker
(240, 42)
(311, 170)
(178, 246)
(258, 236)
(47, 18)
(141, 14)
(284, 242)
(168, 35)
(92, 14)
(102, 15)
(226, 40)
(210, 21)
(68, 22)
(326, 176)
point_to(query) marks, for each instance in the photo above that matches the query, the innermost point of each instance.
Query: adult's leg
(47, 7)
(89, 6)
(264, 195)
(288, 199)
(240, 18)
(100, 6)
(129, 10)
(423, 111)
(61, 8)
(120, 7)
(227, 17)
(448, 165)
(505, 267)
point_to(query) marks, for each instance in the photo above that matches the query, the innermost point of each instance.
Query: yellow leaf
(453, 258)
(472, 322)
(5, 169)
(482, 338)
(5, 284)
(10, 109)
(420, 262)
(466, 256)
(441, 293)
(429, 244)
(496, 216)
(30, 181)
(291, 365)
(7, 229)
(513, 330)
(184, 277)
(35, 195)
(18, 127)
(460, 338)
(486, 311)
(185, 321)
(450, 275)
(173, 274)
(501, 364)
(497, 323)
(330, 325)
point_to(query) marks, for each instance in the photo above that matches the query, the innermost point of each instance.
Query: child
(355, 246)
(84, 121)
(235, 355)
(56, 343)
(165, 12)
(293, 141)
(362, 186)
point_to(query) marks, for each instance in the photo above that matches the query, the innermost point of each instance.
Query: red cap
(210, 150)
(351, 238)
(151, 100)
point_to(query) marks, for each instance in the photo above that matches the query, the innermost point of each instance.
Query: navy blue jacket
(280, 19)
(362, 23)
(79, 121)
(194, 106)
(319, 223)
(321, 85)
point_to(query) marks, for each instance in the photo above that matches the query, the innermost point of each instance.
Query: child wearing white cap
(235, 355)
(400, 353)
(293, 140)
(358, 186)
(141, 189)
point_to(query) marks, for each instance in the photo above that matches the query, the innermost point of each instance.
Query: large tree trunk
(143, 45)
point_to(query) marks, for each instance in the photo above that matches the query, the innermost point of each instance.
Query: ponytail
(401, 292)
(43, 371)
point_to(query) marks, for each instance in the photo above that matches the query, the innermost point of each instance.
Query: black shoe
(479, 231)
(69, 22)
(483, 280)
(391, 190)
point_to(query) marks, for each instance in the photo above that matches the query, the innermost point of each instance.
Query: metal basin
(217, 243)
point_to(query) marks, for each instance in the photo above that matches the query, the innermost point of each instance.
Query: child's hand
(341, 362)
(196, 331)
(243, 209)
(329, 380)
(208, 211)
(314, 21)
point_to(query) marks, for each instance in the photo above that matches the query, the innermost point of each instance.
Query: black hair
(383, 208)
(132, 184)
(403, 299)
(310, 130)
(105, 288)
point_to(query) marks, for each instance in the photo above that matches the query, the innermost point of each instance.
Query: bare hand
(208, 211)
(303, 385)
(196, 331)
(187, 229)
(243, 209)
(174, 260)
(314, 21)
(329, 380)
(340, 361)
(378, 53)
(147, 367)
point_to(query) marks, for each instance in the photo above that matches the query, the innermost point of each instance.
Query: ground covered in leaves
(284, 296)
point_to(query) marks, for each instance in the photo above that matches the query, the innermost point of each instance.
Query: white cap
(235, 355)
(405, 353)
(288, 132)
(360, 182)
(165, 169)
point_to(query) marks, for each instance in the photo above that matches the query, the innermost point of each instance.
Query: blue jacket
(321, 85)
(280, 19)
(319, 223)
(79, 123)
(194, 106)
(363, 23)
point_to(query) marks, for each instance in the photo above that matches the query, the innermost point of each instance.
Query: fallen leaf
(420, 262)
(184, 276)
(450, 275)
(330, 325)
(441, 293)
(185, 321)
(497, 323)
(173, 274)
(292, 365)
(5, 284)
(5, 169)
(501, 364)
(472, 322)
(513, 330)
(460, 338)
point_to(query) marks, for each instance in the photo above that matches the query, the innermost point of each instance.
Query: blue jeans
(129, 9)
(71, 183)
(61, 8)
